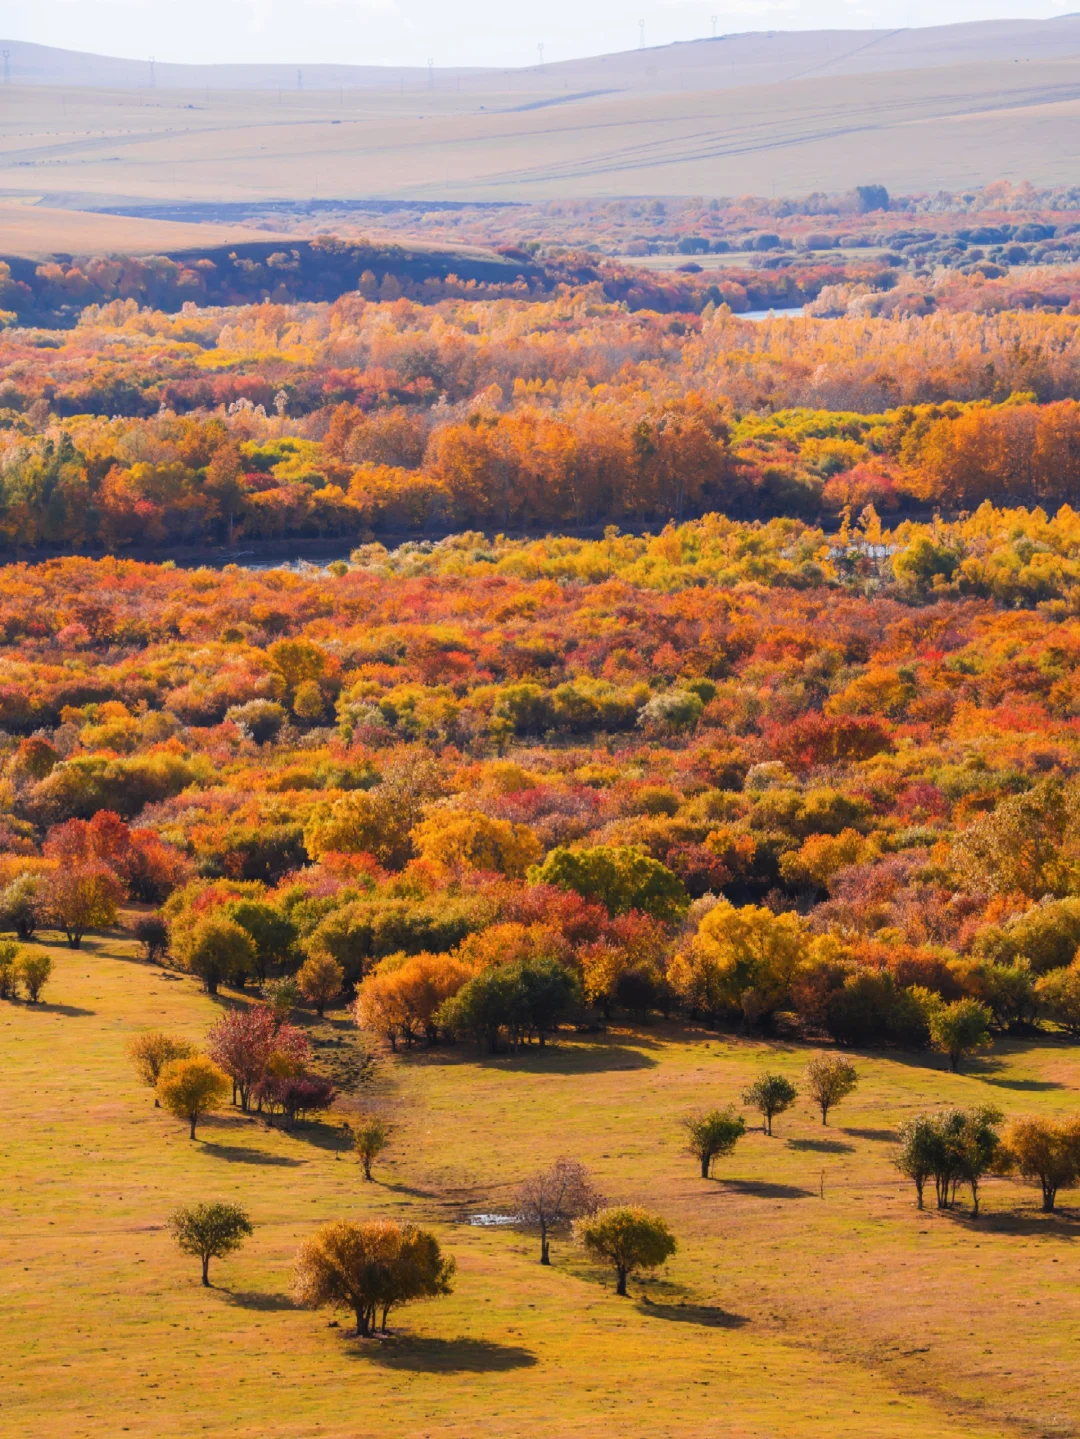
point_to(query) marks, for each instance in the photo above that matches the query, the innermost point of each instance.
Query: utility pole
(431, 74)
(641, 34)
(299, 79)
(153, 77)
(7, 67)
(540, 48)
(714, 27)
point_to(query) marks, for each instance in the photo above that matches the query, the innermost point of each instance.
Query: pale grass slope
(784, 1314)
(783, 113)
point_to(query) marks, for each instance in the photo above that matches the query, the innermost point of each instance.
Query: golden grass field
(784, 1315)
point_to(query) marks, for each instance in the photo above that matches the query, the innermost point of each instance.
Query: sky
(450, 32)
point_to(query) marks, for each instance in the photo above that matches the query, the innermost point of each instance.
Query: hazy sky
(462, 32)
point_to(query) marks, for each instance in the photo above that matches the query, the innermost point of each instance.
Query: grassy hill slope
(784, 1313)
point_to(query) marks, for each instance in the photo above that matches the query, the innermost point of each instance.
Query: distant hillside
(726, 61)
(782, 113)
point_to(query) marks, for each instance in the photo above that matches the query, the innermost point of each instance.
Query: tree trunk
(824, 1114)
(620, 1283)
(206, 1271)
(706, 1160)
(1049, 1197)
(545, 1256)
(768, 1125)
(919, 1191)
(192, 1117)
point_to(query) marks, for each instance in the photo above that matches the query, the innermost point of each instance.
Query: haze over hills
(736, 60)
(782, 113)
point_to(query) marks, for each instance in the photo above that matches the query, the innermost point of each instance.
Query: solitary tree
(190, 1088)
(770, 1094)
(829, 1079)
(1045, 1152)
(210, 1231)
(959, 1029)
(33, 968)
(369, 1268)
(152, 1050)
(554, 1198)
(371, 1135)
(627, 1238)
(711, 1136)
(319, 980)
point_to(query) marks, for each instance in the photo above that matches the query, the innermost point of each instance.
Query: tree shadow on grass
(334, 1137)
(256, 1299)
(761, 1189)
(1028, 1086)
(1025, 1224)
(450, 1356)
(575, 1058)
(710, 1316)
(242, 1154)
(884, 1135)
(821, 1146)
(73, 1011)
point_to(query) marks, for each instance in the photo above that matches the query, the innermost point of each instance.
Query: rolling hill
(785, 112)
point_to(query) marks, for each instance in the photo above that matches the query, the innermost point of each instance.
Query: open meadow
(786, 1311)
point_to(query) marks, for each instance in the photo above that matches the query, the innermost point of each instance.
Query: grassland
(785, 1313)
(917, 129)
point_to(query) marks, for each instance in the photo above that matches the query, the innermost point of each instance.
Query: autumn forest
(527, 735)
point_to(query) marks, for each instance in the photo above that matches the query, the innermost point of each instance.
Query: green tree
(974, 1145)
(1058, 995)
(829, 1079)
(210, 1231)
(219, 949)
(713, 1135)
(770, 1094)
(272, 932)
(19, 905)
(371, 1135)
(621, 877)
(530, 996)
(190, 1088)
(9, 975)
(918, 1153)
(627, 1238)
(959, 1029)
